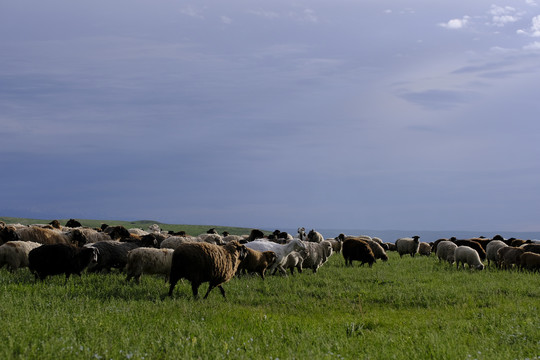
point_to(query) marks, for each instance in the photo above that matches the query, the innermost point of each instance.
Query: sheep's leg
(195, 289)
(171, 288)
(222, 291)
(210, 287)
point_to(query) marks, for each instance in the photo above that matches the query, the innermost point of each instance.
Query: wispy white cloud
(502, 15)
(455, 24)
(192, 12)
(226, 20)
(535, 46)
(534, 30)
(265, 14)
(530, 2)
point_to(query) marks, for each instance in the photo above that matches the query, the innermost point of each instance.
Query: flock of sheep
(52, 249)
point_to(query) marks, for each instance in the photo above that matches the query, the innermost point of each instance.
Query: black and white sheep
(446, 251)
(146, 260)
(54, 259)
(467, 255)
(203, 262)
(281, 251)
(113, 254)
(408, 246)
(14, 254)
(257, 261)
(316, 254)
(357, 250)
(491, 251)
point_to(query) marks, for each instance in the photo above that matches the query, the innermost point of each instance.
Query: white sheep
(281, 251)
(408, 246)
(467, 255)
(173, 242)
(491, 251)
(148, 261)
(14, 254)
(446, 251)
(317, 254)
(295, 260)
(211, 239)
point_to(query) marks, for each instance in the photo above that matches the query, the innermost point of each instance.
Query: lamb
(446, 251)
(508, 256)
(408, 246)
(257, 261)
(314, 236)
(295, 260)
(491, 251)
(469, 256)
(54, 259)
(317, 254)
(145, 260)
(203, 262)
(14, 254)
(424, 249)
(355, 249)
(281, 251)
(530, 261)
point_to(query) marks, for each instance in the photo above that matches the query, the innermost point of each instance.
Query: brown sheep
(42, 235)
(508, 256)
(257, 261)
(354, 249)
(424, 249)
(203, 262)
(530, 261)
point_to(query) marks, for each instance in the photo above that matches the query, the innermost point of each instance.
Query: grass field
(409, 308)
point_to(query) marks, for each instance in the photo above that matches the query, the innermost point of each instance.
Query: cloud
(534, 30)
(192, 12)
(503, 15)
(456, 23)
(226, 20)
(436, 99)
(535, 46)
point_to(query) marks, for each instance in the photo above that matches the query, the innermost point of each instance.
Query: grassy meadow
(406, 308)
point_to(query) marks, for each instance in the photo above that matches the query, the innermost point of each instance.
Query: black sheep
(355, 249)
(54, 259)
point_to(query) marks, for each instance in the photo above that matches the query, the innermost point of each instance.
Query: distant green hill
(143, 224)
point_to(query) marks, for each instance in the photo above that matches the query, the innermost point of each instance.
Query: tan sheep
(204, 262)
(257, 261)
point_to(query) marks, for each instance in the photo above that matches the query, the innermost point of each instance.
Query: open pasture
(401, 309)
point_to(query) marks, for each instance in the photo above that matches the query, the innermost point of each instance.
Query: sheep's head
(270, 257)
(340, 237)
(8, 233)
(299, 245)
(415, 238)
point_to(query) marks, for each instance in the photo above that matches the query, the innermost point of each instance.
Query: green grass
(193, 230)
(409, 308)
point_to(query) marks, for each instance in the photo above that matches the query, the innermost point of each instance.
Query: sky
(273, 114)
